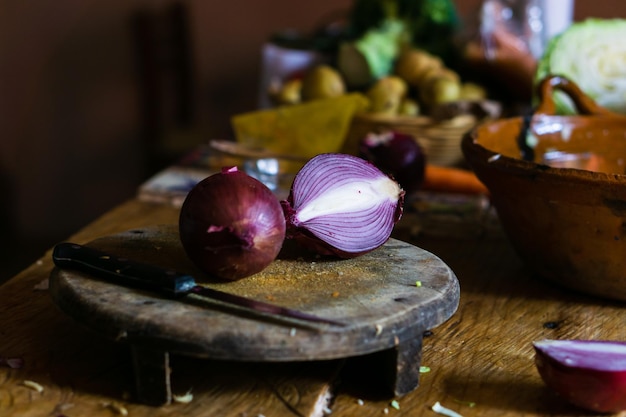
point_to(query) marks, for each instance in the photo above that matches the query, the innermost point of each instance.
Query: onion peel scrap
(590, 374)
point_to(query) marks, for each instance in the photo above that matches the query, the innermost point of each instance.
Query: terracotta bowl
(560, 196)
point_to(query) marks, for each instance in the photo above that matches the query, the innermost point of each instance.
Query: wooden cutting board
(386, 299)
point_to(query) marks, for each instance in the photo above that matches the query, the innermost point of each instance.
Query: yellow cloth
(306, 129)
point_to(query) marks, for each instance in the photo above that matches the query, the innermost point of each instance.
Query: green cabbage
(591, 53)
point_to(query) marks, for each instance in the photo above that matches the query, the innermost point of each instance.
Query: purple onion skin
(231, 225)
(588, 374)
(397, 154)
(365, 229)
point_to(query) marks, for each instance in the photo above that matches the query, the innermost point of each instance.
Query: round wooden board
(375, 295)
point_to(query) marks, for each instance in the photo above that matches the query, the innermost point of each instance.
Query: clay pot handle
(584, 104)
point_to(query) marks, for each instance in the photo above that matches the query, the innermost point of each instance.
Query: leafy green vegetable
(380, 47)
(430, 22)
(591, 53)
(433, 25)
(378, 29)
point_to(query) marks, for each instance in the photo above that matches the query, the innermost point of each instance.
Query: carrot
(452, 180)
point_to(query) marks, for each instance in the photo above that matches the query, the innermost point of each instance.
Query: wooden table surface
(480, 360)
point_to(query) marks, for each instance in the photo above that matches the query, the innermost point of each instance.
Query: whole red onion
(588, 373)
(397, 154)
(342, 205)
(231, 225)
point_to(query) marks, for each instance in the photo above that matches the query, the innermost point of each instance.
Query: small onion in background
(589, 374)
(342, 205)
(231, 225)
(397, 154)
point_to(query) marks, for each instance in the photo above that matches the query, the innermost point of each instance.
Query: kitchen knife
(165, 281)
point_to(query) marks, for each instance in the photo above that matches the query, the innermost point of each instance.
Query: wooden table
(481, 360)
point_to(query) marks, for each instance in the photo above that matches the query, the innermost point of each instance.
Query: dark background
(75, 139)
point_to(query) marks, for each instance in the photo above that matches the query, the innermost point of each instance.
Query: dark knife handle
(121, 270)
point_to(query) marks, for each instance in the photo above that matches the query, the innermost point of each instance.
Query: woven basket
(440, 139)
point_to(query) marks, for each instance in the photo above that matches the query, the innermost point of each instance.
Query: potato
(386, 95)
(322, 81)
(413, 64)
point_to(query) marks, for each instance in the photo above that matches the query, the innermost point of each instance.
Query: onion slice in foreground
(590, 374)
(342, 205)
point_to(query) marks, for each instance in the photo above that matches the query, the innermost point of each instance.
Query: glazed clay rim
(589, 111)
(477, 154)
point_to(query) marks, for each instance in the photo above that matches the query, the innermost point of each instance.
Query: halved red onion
(343, 205)
(590, 374)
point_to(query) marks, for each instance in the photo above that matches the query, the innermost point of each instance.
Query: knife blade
(168, 282)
